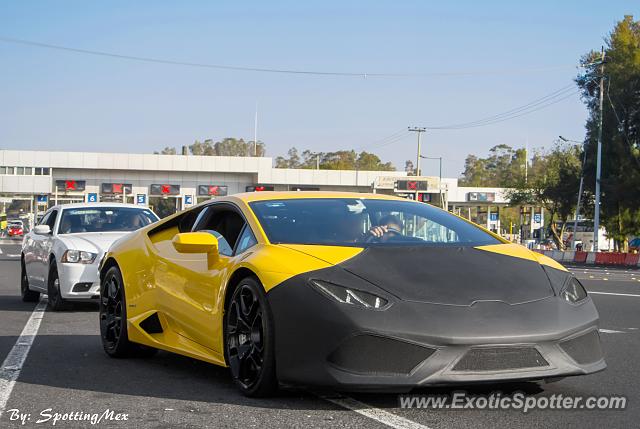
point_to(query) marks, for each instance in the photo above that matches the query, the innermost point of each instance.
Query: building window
(10, 170)
(45, 171)
(28, 171)
(20, 171)
(3, 170)
(38, 171)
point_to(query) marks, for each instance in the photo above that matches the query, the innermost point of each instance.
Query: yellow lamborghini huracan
(355, 291)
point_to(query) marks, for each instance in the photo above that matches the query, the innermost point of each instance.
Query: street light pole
(596, 217)
(584, 160)
(418, 130)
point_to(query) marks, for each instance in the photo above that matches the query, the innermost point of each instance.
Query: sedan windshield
(104, 219)
(364, 222)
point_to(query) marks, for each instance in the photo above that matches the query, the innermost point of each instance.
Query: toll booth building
(36, 180)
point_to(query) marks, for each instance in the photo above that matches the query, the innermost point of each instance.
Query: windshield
(104, 219)
(364, 222)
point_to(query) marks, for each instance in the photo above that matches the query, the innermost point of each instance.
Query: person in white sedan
(60, 255)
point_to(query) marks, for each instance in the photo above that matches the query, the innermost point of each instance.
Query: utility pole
(418, 130)
(596, 216)
(526, 161)
(584, 160)
(255, 133)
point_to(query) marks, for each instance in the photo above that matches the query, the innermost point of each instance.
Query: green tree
(620, 179)
(339, 160)
(503, 167)
(554, 187)
(167, 151)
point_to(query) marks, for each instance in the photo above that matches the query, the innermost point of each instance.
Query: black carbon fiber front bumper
(321, 342)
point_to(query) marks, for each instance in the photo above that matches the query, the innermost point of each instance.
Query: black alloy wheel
(249, 340)
(113, 319)
(111, 312)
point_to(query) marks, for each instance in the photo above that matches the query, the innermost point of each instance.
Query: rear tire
(55, 302)
(249, 340)
(28, 295)
(113, 319)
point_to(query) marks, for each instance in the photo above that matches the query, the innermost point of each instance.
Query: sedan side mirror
(42, 230)
(196, 242)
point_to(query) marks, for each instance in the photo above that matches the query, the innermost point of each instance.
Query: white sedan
(60, 255)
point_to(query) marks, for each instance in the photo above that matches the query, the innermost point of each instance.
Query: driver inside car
(388, 227)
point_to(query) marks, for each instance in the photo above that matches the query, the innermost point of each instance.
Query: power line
(398, 135)
(279, 70)
(528, 108)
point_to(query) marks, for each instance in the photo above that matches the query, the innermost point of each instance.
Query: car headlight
(574, 292)
(350, 296)
(78, 256)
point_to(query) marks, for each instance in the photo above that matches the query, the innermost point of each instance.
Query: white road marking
(381, 416)
(12, 365)
(611, 293)
(611, 331)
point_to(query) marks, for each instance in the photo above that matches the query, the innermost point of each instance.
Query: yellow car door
(189, 283)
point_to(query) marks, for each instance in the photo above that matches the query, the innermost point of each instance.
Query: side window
(51, 221)
(44, 219)
(223, 222)
(246, 240)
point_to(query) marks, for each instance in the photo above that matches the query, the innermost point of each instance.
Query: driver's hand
(378, 231)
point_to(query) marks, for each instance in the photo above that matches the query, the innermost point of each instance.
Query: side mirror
(196, 242)
(42, 230)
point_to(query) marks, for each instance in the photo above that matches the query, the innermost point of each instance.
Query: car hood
(96, 242)
(452, 275)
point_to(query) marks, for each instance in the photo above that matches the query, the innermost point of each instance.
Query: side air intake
(152, 325)
(370, 354)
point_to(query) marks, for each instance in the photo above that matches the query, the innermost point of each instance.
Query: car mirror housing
(42, 230)
(196, 242)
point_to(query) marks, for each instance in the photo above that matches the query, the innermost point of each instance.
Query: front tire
(55, 302)
(27, 294)
(113, 319)
(249, 340)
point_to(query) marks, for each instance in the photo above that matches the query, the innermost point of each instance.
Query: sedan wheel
(28, 295)
(54, 299)
(249, 340)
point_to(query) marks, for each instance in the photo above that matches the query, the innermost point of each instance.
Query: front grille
(372, 354)
(584, 349)
(500, 359)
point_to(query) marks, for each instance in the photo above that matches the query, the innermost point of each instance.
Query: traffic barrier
(568, 255)
(557, 255)
(580, 257)
(631, 259)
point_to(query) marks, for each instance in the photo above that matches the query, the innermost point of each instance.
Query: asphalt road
(67, 371)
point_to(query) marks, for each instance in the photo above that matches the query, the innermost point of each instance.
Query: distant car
(60, 255)
(15, 229)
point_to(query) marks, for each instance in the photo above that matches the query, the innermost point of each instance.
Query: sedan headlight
(574, 292)
(78, 256)
(350, 296)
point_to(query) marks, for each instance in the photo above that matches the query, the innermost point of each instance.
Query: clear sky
(56, 100)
